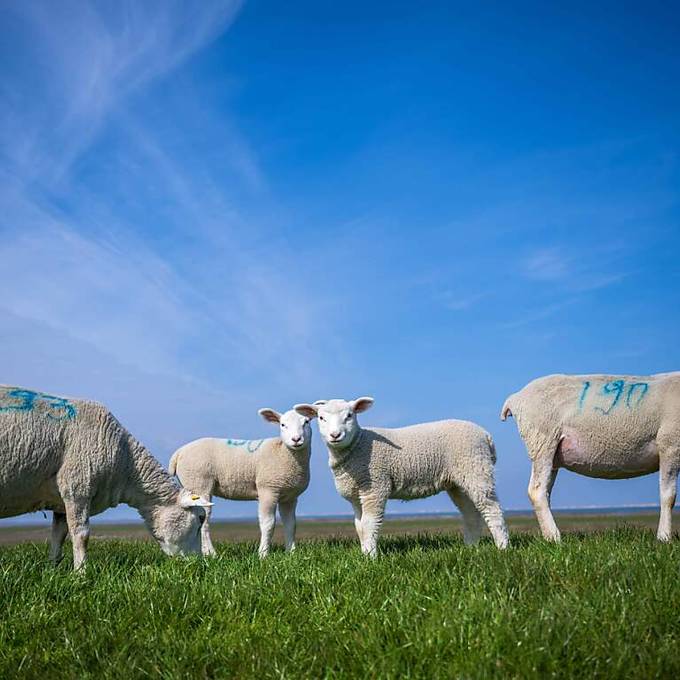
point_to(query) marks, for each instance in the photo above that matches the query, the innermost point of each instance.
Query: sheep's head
(337, 419)
(294, 429)
(177, 526)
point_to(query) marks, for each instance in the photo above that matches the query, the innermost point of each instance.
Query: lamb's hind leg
(543, 475)
(486, 502)
(59, 533)
(472, 520)
(669, 467)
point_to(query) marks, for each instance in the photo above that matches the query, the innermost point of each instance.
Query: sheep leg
(59, 533)
(669, 467)
(543, 476)
(472, 519)
(372, 513)
(356, 505)
(287, 513)
(267, 515)
(78, 520)
(207, 547)
(486, 502)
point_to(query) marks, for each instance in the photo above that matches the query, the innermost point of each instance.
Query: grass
(601, 604)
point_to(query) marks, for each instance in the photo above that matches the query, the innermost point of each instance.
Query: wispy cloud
(574, 272)
(549, 264)
(85, 59)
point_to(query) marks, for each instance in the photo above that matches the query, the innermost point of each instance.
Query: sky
(208, 208)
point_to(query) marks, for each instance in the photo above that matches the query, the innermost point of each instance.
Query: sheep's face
(337, 419)
(177, 527)
(294, 429)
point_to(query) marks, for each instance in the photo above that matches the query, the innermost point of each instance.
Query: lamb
(604, 426)
(371, 465)
(272, 471)
(73, 457)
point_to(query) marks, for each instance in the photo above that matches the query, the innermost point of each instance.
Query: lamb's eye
(283, 424)
(348, 416)
(322, 418)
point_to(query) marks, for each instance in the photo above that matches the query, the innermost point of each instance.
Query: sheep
(370, 465)
(272, 471)
(73, 457)
(604, 426)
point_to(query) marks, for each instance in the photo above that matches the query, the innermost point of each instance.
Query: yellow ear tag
(194, 497)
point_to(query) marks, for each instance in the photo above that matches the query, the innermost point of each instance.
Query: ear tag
(194, 497)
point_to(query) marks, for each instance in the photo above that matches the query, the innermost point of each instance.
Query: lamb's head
(177, 526)
(337, 419)
(294, 429)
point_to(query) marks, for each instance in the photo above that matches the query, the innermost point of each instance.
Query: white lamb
(272, 471)
(74, 458)
(371, 465)
(606, 426)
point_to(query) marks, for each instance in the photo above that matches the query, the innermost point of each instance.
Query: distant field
(247, 530)
(604, 603)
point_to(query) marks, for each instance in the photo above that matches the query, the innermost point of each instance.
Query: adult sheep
(273, 471)
(605, 426)
(74, 458)
(371, 465)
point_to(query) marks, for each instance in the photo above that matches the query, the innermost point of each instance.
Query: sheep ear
(307, 410)
(270, 415)
(362, 404)
(193, 500)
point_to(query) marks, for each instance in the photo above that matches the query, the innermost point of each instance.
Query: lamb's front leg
(356, 505)
(287, 512)
(59, 533)
(669, 466)
(267, 515)
(372, 513)
(78, 520)
(207, 547)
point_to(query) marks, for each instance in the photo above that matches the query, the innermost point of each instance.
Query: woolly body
(604, 426)
(267, 470)
(73, 457)
(371, 465)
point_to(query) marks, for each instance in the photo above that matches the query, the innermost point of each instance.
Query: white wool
(605, 426)
(272, 471)
(371, 465)
(73, 457)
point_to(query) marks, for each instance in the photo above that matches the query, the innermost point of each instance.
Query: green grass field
(601, 604)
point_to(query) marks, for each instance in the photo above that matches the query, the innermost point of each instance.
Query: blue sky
(212, 207)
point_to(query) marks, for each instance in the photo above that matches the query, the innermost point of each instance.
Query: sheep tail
(507, 408)
(172, 465)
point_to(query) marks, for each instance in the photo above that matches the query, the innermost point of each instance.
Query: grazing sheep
(272, 471)
(611, 427)
(75, 458)
(371, 465)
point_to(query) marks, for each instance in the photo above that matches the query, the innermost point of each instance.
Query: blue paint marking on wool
(616, 389)
(60, 409)
(251, 445)
(642, 386)
(586, 387)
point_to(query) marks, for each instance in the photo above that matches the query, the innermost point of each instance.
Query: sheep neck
(337, 458)
(148, 485)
